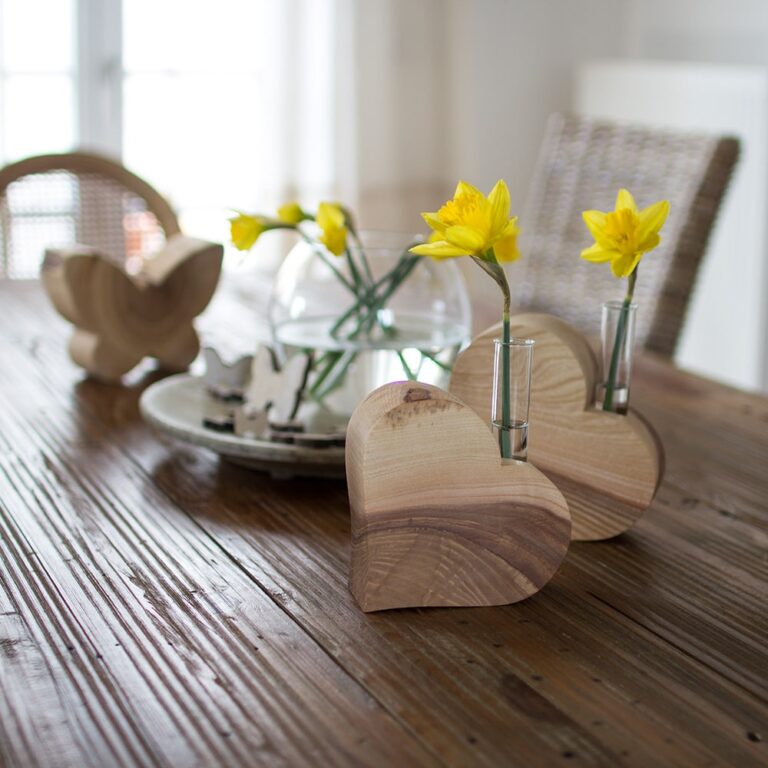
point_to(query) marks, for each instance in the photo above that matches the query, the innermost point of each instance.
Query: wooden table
(159, 607)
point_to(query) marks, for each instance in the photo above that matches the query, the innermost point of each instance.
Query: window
(37, 77)
(200, 104)
(218, 106)
(37, 115)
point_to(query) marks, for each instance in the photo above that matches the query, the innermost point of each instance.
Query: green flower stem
(358, 281)
(367, 297)
(372, 318)
(488, 264)
(610, 384)
(361, 251)
(410, 375)
(437, 362)
(333, 366)
(327, 262)
(330, 358)
(344, 361)
(305, 378)
(506, 448)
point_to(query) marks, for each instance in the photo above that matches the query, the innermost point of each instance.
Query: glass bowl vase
(374, 315)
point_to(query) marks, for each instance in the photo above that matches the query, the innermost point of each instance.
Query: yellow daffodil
(245, 230)
(622, 236)
(332, 222)
(291, 213)
(472, 225)
(505, 248)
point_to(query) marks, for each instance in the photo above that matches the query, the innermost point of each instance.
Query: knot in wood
(415, 394)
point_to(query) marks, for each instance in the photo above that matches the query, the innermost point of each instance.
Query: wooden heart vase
(438, 519)
(607, 465)
(119, 318)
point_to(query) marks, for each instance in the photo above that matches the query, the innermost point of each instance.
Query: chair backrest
(582, 165)
(54, 200)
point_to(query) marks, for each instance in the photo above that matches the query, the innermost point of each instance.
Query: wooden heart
(608, 466)
(119, 318)
(437, 518)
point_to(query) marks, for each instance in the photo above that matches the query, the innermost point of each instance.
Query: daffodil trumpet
(622, 237)
(471, 224)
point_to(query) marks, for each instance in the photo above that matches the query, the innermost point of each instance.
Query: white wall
(718, 31)
(393, 140)
(733, 32)
(510, 65)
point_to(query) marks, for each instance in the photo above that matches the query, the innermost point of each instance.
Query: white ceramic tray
(175, 406)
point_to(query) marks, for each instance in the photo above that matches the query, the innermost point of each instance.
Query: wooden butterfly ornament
(607, 465)
(119, 318)
(438, 518)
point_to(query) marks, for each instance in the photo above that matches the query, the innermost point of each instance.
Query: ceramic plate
(175, 406)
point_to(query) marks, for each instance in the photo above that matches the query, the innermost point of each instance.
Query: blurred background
(243, 104)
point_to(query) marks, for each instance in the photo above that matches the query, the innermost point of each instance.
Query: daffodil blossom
(291, 213)
(245, 229)
(332, 222)
(623, 235)
(472, 224)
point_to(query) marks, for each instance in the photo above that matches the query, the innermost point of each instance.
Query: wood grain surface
(438, 518)
(608, 466)
(158, 607)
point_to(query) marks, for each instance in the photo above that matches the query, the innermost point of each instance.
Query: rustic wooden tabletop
(160, 607)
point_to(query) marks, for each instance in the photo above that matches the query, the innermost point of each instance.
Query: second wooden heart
(608, 466)
(437, 518)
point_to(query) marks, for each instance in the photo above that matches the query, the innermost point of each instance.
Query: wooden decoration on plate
(275, 389)
(119, 318)
(225, 380)
(608, 466)
(437, 518)
(224, 385)
(272, 394)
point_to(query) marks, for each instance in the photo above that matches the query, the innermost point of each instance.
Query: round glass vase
(617, 337)
(375, 315)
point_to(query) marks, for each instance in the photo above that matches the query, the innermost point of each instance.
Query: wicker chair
(77, 198)
(582, 165)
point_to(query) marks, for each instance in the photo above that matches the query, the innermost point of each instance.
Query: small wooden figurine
(608, 466)
(438, 519)
(272, 394)
(224, 386)
(226, 381)
(119, 318)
